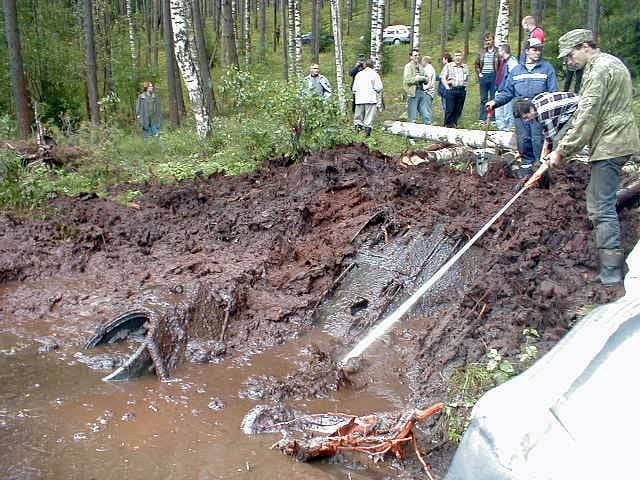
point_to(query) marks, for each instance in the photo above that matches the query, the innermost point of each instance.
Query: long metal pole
(380, 329)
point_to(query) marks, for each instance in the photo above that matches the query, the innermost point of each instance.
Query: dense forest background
(237, 64)
(130, 44)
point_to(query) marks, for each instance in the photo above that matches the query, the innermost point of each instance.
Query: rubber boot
(358, 128)
(367, 131)
(611, 267)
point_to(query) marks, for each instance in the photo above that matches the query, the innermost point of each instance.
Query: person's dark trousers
(601, 201)
(487, 92)
(530, 140)
(454, 104)
(567, 81)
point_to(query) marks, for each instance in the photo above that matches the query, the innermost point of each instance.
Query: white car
(396, 34)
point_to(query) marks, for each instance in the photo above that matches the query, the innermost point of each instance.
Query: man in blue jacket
(527, 80)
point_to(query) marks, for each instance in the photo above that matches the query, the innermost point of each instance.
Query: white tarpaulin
(572, 415)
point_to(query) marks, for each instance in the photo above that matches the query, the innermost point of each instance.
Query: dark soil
(263, 249)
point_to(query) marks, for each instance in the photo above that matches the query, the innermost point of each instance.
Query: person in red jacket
(529, 25)
(535, 31)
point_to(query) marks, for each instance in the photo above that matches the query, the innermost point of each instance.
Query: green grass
(258, 113)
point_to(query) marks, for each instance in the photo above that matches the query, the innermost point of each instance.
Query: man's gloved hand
(490, 106)
(554, 159)
(538, 175)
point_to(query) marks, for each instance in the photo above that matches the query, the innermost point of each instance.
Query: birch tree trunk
(337, 37)
(286, 39)
(132, 33)
(246, 23)
(24, 116)
(373, 38)
(234, 18)
(297, 26)
(174, 104)
(90, 58)
(416, 24)
(379, 30)
(183, 40)
(455, 136)
(291, 37)
(377, 19)
(502, 24)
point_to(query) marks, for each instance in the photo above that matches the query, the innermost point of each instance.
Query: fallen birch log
(456, 136)
(443, 156)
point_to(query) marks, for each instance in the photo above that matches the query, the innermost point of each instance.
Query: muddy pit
(253, 287)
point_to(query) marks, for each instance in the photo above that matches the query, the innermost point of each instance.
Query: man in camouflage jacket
(604, 121)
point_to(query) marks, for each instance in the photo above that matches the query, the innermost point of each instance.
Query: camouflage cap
(569, 40)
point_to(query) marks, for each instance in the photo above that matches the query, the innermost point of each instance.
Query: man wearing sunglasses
(604, 121)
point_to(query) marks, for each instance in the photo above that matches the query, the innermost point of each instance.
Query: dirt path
(273, 242)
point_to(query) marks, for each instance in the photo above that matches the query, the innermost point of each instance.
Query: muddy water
(59, 420)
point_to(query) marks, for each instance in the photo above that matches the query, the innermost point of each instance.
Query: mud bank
(251, 262)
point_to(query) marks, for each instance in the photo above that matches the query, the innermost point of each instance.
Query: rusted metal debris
(310, 437)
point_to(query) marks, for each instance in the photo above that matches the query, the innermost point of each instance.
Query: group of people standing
(419, 84)
(550, 125)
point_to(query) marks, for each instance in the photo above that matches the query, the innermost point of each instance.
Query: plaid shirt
(554, 110)
(456, 76)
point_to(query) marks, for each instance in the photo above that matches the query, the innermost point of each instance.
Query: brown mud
(234, 265)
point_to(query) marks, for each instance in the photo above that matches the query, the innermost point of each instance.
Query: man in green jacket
(413, 79)
(604, 121)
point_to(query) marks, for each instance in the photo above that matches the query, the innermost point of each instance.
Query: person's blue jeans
(530, 140)
(151, 130)
(422, 104)
(504, 117)
(487, 92)
(601, 201)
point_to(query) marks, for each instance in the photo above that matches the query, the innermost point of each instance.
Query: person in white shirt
(367, 86)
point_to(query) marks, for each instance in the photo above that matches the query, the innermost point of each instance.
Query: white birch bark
(291, 40)
(132, 36)
(234, 16)
(502, 24)
(379, 30)
(297, 27)
(337, 37)
(454, 136)
(187, 61)
(373, 35)
(246, 18)
(377, 21)
(416, 24)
